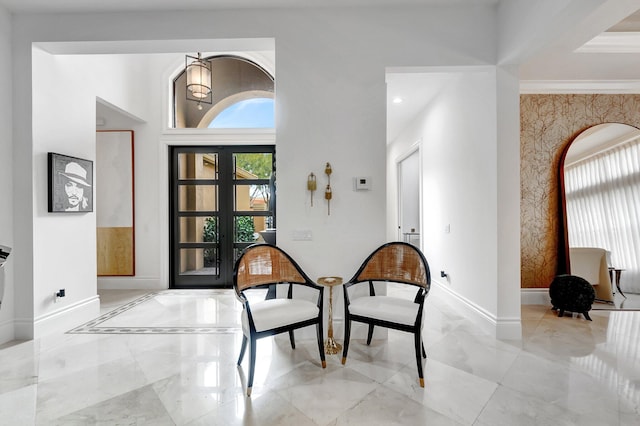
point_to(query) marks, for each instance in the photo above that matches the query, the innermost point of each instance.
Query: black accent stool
(573, 294)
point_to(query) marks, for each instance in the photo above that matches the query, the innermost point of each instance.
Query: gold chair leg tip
(248, 391)
(344, 360)
(324, 364)
(421, 382)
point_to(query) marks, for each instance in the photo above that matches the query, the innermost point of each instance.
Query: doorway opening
(409, 199)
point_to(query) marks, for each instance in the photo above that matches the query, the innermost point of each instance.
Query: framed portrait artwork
(70, 184)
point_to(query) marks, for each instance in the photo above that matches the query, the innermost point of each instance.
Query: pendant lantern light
(199, 80)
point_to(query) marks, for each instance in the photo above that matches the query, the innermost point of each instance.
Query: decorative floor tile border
(93, 326)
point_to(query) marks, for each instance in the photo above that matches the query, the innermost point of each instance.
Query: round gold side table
(331, 347)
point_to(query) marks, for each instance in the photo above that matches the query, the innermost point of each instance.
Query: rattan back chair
(396, 262)
(261, 266)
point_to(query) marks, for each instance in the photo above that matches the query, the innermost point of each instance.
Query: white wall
(6, 181)
(330, 107)
(331, 99)
(64, 115)
(461, 195)
(150, 168)
(508, 215)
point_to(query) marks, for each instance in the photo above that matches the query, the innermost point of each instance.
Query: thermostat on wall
(362, 183)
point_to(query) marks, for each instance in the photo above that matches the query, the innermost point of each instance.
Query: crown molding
(579, 86)
(612, 42)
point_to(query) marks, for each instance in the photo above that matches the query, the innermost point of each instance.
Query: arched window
(248, 113)
(243, 94)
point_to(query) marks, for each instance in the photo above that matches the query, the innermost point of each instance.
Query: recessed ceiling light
(397, 100)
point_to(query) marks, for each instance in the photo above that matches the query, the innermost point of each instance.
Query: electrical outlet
(361, 183)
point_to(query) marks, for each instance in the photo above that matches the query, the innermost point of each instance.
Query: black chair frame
(416, 328)
(271, 294)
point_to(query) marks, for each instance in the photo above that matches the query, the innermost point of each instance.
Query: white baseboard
(131, 283)
(60, 321)
(500, 328)
(535, 296)
(7, 332)
(67, 317)
(23, 329)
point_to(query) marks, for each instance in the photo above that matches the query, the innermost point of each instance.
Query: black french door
(221, 197)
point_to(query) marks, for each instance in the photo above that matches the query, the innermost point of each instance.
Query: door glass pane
(196, 165)
(237, 251)
(244, 229)
(251, 198)
(200, 261)
(261, 224)
(252, 165)
(197, 198)
(218, 197)
(199, 229)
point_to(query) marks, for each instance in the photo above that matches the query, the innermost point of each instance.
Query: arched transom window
(243, 97)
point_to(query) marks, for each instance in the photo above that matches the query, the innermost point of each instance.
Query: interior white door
(409, 198)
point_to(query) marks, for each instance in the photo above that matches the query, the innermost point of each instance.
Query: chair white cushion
(590, 263)
(274, 313)
(586, 263)
(386, 308)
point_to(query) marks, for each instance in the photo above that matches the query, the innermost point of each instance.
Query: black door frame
(226, 214)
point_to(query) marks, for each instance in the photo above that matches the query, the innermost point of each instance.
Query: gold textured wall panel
(115, 251)
(548, 123)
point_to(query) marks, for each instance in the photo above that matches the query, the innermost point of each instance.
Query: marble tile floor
(565, 371)
(630, 302)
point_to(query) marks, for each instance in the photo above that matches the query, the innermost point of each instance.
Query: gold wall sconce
(327, 196)
(311, 185)
(327, 193)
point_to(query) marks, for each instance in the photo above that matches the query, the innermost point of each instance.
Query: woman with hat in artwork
(74, 186)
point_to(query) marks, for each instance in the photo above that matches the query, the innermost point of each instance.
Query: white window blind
(603, 207)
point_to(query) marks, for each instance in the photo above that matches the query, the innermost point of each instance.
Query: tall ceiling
(559, 67)
(602, 55)
(630, 24)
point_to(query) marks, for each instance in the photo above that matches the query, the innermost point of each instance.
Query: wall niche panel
(115, 203)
